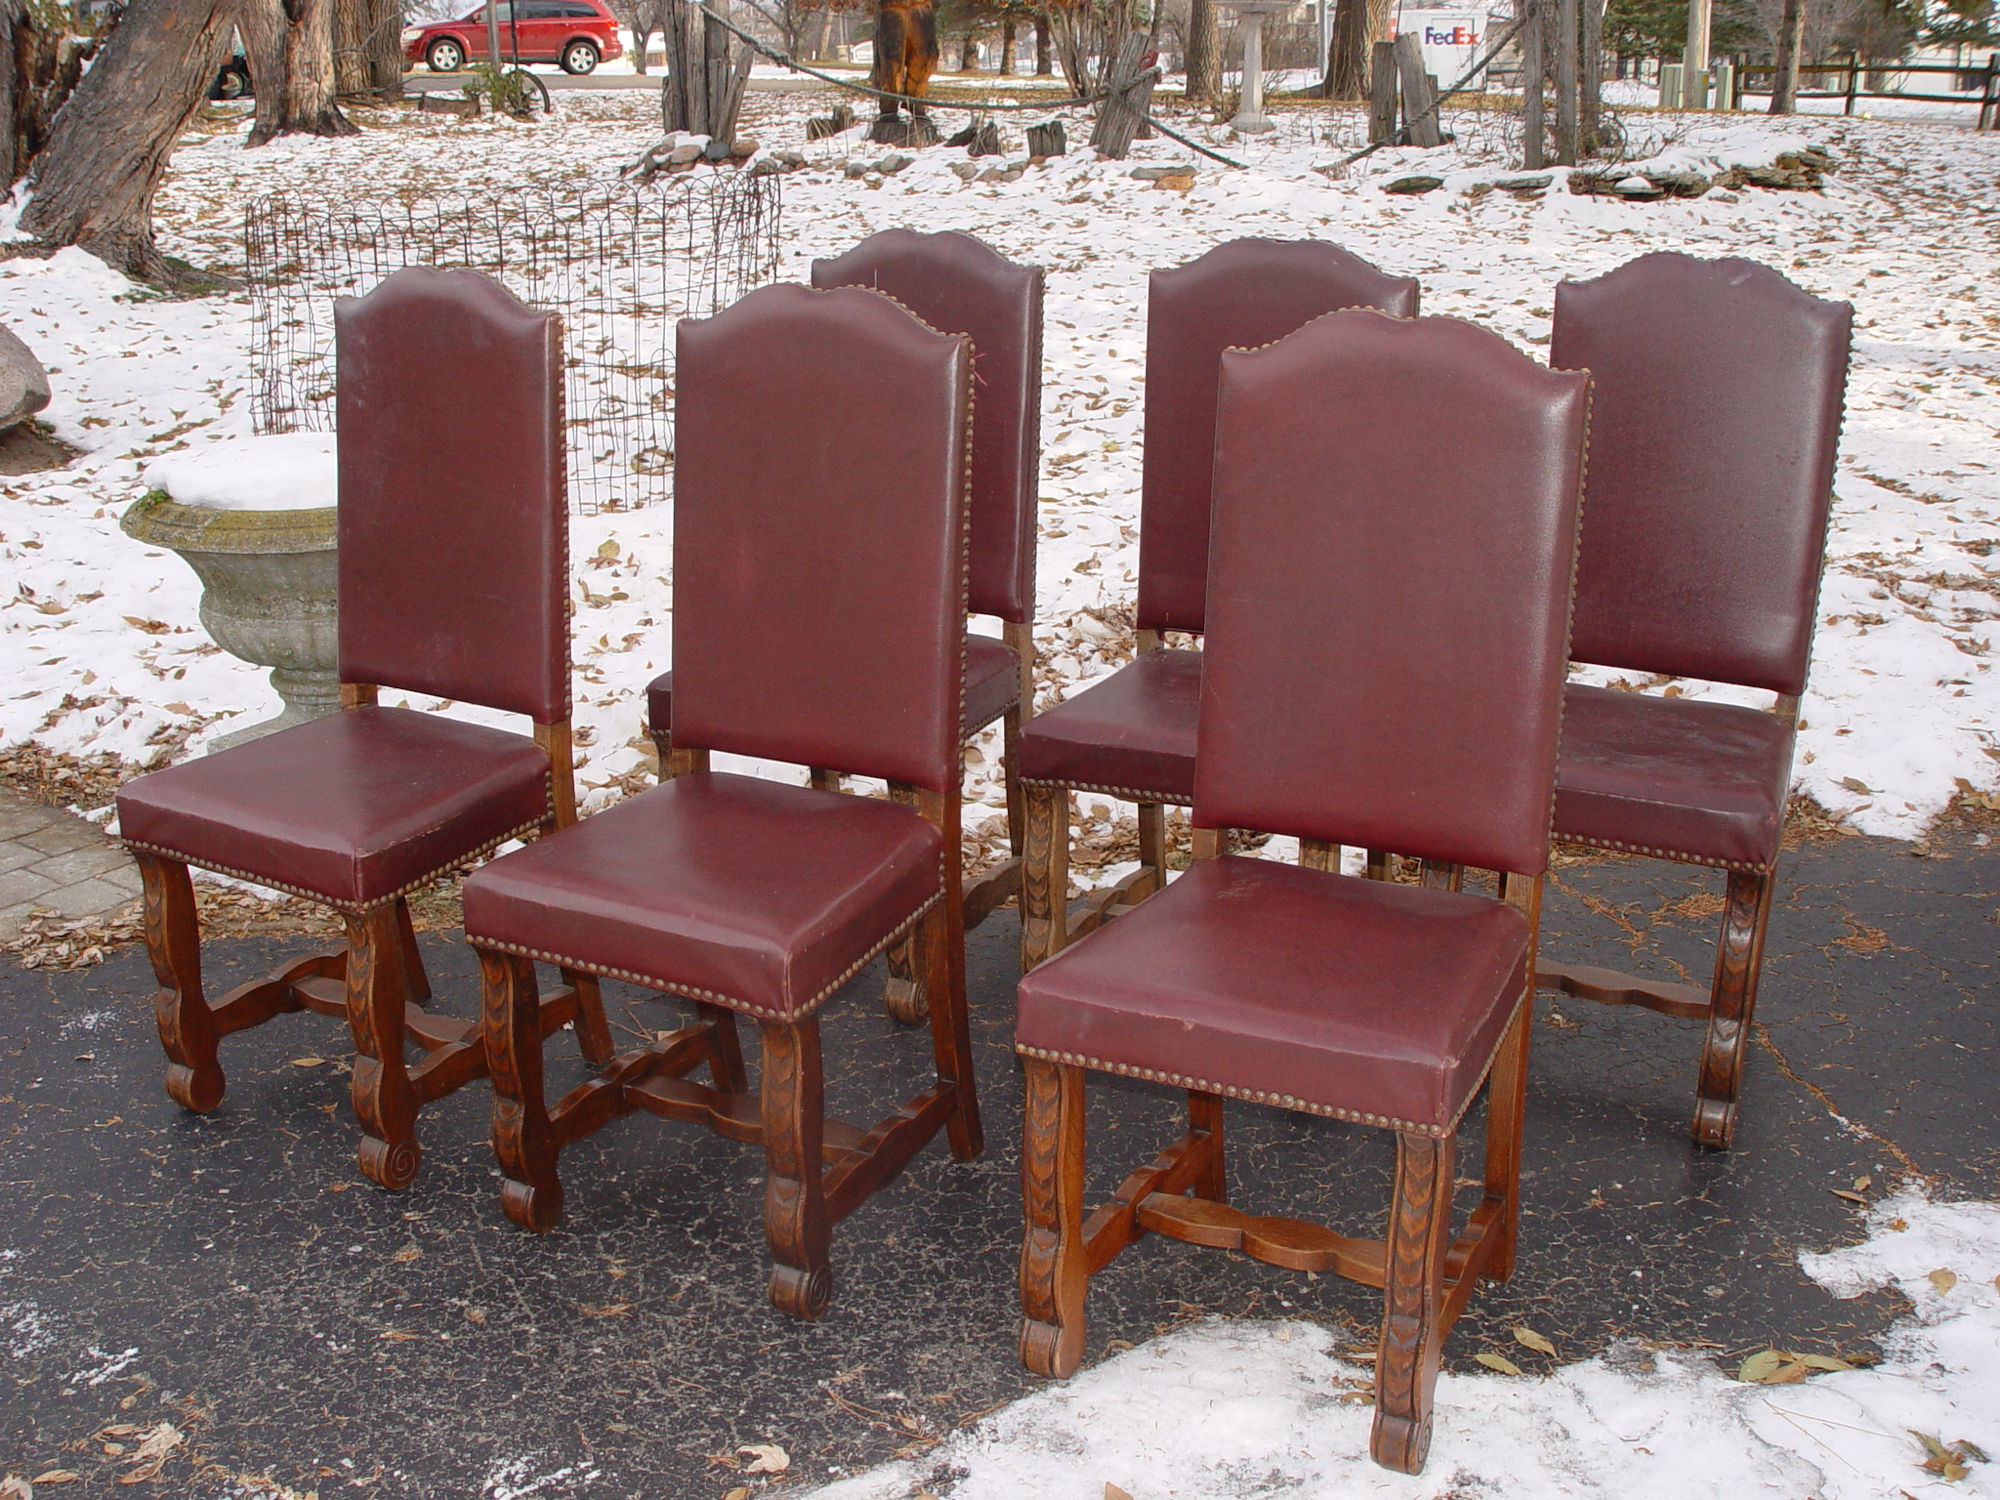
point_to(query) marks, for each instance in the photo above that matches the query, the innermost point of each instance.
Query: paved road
(235, 1276)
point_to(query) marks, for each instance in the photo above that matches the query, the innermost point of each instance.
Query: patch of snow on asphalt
(1227, 1410)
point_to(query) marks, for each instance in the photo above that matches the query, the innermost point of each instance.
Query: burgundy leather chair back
(958, 284)
(1240, 295)
(820, 544)
(454, 514)
(1718, 394)
(1388, 605)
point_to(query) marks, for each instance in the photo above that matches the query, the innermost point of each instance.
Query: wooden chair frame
(1046, 925)
(819, 1170)
(375, 980)
(1425, 1273)
(1727, 1006)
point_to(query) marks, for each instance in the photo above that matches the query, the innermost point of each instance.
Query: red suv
(575, 33)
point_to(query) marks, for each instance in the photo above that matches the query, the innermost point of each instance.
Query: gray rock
(893, 163)
(744, 147)
(857, 170)
(791, 158)
(1638, 189)
(1154, 174)
(965, 169)
(1527, 182)
(992, 174)
(684, 153)
(766, 166)
(24, 384)
(1418, 184)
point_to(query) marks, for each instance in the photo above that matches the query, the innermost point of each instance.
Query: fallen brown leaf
(765, 1458)
(1943, 1280)
(1498, 1362)
(1528, 1338)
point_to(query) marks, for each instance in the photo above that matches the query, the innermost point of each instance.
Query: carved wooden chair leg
(1010, 757)
(1205, 1118)
(1413, 1300)
(524, 1138)
(1506, 1112)
(187, 1026)
(1381, 865)
(1045, 875)
(725, 1058)
(593, 1031)
(1054, 1271)
(1739, 959)
(903, 994)
(795, 1218)
(384, 1101)
(414, 977)
(1153, 842)
(940, 949)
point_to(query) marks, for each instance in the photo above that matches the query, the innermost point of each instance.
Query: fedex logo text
(1456, 36)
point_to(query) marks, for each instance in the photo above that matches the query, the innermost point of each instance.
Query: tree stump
(1129, 88)
(1048, 140)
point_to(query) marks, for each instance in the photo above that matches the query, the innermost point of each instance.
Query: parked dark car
(233, 80)
(575, 33)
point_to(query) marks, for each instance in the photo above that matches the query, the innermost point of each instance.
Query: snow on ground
(101, 649)
(1224, 1410)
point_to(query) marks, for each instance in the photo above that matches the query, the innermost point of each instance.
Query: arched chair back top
(1719, 388)
(1405, 600)
(819, 547)
(454, 519)
(959, 284)
(1242, 294)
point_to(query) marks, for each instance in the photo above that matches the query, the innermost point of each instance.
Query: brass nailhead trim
(692, 992)
(1285, 1101)
(1669, 854)
(324, 900)
(1130, 794)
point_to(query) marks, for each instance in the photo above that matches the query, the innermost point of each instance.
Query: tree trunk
(105, 158)
(816, 48)
(1590, 102)
(1204, 54)
(299, 98)
(385, 48)
(1791, 40)
(1045, 62)
(40, 65)
(968, 57)
(1007, 48)
(1357, 26)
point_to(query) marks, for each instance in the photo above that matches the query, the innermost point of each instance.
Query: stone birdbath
(255, 518)
(1250, 118)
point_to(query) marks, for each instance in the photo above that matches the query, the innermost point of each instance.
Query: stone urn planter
(255, 519)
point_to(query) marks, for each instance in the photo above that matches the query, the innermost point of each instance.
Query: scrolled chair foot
(801, 1293)
(1714, 1123)
(1050, 1350)
(539, 1209)
(1400, 1443)
(392, 1166)
(194, 1088)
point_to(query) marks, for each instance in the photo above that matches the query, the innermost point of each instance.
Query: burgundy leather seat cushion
(992, 681)
(1132, 733)
(352, 809)
(992, 674)
(1703, 782)
(750, 893)
(1355, 998)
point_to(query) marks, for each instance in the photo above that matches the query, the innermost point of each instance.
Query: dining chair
(819, 619)
(1132, 736)
(1386, 626)
(959, 284)
(454, 584)
(1719, 391)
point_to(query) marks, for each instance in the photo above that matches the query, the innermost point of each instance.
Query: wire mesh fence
(622, 263)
